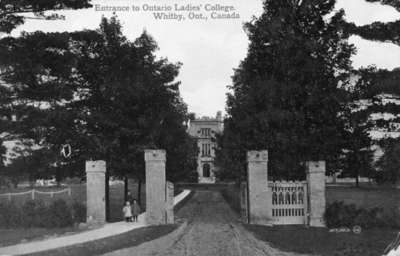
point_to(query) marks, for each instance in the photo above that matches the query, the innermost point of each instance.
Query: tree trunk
(107, 196)
(357, 178)
(139, 191)
(58, 176)
(125, 188)
(357, 168)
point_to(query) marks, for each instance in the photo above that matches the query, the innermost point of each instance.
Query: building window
(206, 170)
(205, 132)
(205, 149)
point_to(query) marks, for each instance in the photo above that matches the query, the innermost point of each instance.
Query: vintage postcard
(200, 127)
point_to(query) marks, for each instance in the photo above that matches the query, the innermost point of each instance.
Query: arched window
(206, 170)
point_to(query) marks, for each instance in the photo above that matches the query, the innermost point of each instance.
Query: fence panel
(289, 202)
(20, 197)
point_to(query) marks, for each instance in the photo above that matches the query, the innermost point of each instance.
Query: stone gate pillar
(316, 193)
(155, 187)
(259, 203)
(96, 192)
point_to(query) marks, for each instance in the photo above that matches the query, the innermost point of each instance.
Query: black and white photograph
(200, 127)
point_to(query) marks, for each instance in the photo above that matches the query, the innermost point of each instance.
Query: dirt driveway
(212, 230)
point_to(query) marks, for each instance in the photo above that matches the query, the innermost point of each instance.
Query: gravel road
(210, 228)
(213, 230)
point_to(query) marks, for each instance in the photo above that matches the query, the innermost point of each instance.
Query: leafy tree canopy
(12, 11)
(107, 97)
(389, 164)
(379, 31)
(288, 93)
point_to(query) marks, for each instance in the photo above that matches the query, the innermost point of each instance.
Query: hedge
(338, 214)
(36, 213)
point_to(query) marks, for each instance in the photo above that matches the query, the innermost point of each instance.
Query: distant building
(204, 130)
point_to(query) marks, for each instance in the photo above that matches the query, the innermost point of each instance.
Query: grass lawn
(78, 193)
(321, 242)
(105, 245)
(365, 196)
(15, 236)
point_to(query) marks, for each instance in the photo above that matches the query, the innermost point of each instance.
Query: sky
(211, 49)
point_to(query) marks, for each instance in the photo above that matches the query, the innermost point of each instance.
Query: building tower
(204, 130)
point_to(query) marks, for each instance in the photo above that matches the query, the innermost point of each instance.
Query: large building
(204, 130)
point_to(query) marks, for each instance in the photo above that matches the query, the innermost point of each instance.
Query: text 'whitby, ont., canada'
(179, 12)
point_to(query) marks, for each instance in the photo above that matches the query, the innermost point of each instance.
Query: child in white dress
(127, 210)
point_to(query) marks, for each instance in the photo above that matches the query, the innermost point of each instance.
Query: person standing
(127, 210)
(135, 210)
(129, 197)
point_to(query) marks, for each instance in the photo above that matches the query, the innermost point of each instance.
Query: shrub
(10, 215)
(391, 218)
(78, 212)
(339, 214)
(34, 214)
(59, 215)
(369, 218)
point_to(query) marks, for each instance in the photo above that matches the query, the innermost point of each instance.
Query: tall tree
(289, 92)
(389, 164)
(380, 31)
(380, 95)
(381, 105)
(357, 154)
(12, 13)
(105, 96)
(4, 120)
(381, 98)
